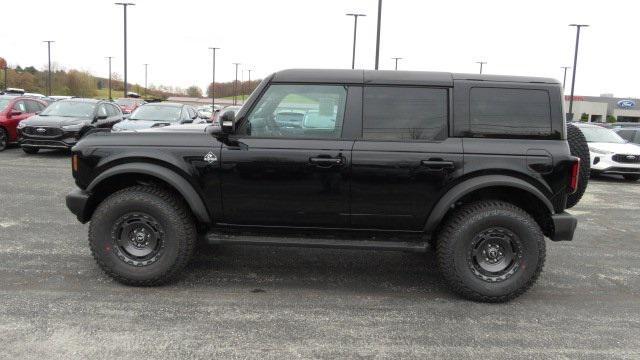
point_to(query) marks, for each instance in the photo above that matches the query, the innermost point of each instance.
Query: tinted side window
(404, 113)
(192, 113)
(33, 106)
(501, 112)
(627, 134)
(20, 106)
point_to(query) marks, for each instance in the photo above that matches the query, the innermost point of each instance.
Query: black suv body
(476, 166)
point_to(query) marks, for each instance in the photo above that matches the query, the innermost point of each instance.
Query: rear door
(404, 157)
(277, 171)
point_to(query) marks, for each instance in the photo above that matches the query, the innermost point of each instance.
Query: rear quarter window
(509, 113)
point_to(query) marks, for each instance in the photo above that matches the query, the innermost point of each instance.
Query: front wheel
(142, 235)
(490, 251)
(631, 177)
(4, 139)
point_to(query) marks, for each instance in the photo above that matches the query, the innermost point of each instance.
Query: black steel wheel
(490, 251)
(142, 235)
(4, 139)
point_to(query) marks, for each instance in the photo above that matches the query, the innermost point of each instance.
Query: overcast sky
(514, 37)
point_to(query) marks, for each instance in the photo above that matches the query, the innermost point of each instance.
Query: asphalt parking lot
(276, 303)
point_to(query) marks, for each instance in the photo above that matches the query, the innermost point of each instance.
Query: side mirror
(101, 117)
(186, 121)
(227, 122)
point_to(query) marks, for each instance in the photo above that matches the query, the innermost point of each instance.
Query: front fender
(485, 181)
(179, 183)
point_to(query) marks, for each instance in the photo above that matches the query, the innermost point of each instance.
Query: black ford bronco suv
(477, 167)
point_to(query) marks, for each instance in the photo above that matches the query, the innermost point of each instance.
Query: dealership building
(598, 108)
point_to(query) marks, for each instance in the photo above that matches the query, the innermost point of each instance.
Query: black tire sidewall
(103, 244)
(6, 136)
(529, 240)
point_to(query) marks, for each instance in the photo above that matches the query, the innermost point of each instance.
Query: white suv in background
(611, 154)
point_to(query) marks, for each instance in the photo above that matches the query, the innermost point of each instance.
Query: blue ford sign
(625, 104)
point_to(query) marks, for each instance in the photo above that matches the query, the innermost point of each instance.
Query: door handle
(326, 161)
(439, 165)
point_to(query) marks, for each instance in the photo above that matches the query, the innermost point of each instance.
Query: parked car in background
(228, 110)
(128, 105)
(60, 97)
(13, 91)
(64, 122)
(623, 124)
(199, 127)
(13, 110)
(631, 134)
(207, 111)
(610, 153)
(157, 115)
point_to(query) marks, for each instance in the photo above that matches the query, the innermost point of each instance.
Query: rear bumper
(564, 226)
(77, 201)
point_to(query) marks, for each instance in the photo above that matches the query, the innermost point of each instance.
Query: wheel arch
(503, 187)
(130, 174)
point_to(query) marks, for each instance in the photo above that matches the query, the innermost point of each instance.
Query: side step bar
(218, 239)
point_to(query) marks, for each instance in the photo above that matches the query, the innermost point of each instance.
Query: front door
(287, 164)
(404, 159)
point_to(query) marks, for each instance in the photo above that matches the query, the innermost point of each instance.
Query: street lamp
(124, 6)
(213, 78)
(396, 59)
(564, 77)
(49, 73)
(481, 63)
(145, 79)
(355, 29)
(575, 64)
(235, 84)
(109, 57)
(378, 34)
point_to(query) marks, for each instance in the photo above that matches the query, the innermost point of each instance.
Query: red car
(14, 109)
(129, 104)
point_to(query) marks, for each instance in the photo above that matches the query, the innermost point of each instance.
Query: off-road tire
(173, 217)
(30, 150)
(631, 177)
(578, 147)
(455, 243)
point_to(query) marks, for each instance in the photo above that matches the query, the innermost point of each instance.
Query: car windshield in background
(603, 135)
(126, 102)
(156, 113)
(4, 103)
(69, 109)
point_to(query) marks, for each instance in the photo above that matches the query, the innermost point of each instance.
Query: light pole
(355, 29)
(235, 84)
(109, 57)
(213, 79)
(145, 79)
(396, 59)
(378, 35)
(124, 6)
(564, 77)
(481, 63)
(49, 72)
(575, 64)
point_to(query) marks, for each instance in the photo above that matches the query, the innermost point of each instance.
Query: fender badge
(210, 157)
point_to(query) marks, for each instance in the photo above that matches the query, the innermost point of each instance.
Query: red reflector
(575, 173)
(74, 163)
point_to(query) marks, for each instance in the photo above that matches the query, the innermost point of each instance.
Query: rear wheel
(142, 235)
(4, 139)
(578, 147)
(30, 150)
(632, 177)
(490, 251)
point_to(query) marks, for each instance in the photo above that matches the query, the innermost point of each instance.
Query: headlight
(21, 125)
(601, 151)
(74, 127)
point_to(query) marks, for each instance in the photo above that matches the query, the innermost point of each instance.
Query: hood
(196, 128)
(626, 148)
(138, 124)
(53, 121)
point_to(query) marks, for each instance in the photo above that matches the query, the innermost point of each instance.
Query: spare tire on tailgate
(578, 146)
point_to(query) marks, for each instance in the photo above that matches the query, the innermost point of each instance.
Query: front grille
(624, 158)
(41, 131)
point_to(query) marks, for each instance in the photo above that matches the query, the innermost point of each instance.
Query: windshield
(4, 103)
(601, 135)
(126, 102)
(69, 109)
(156, 113)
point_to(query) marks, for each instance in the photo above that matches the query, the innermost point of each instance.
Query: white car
(611, 154)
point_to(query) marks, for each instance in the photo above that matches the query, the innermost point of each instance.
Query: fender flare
(485, 181)
(178, 182)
